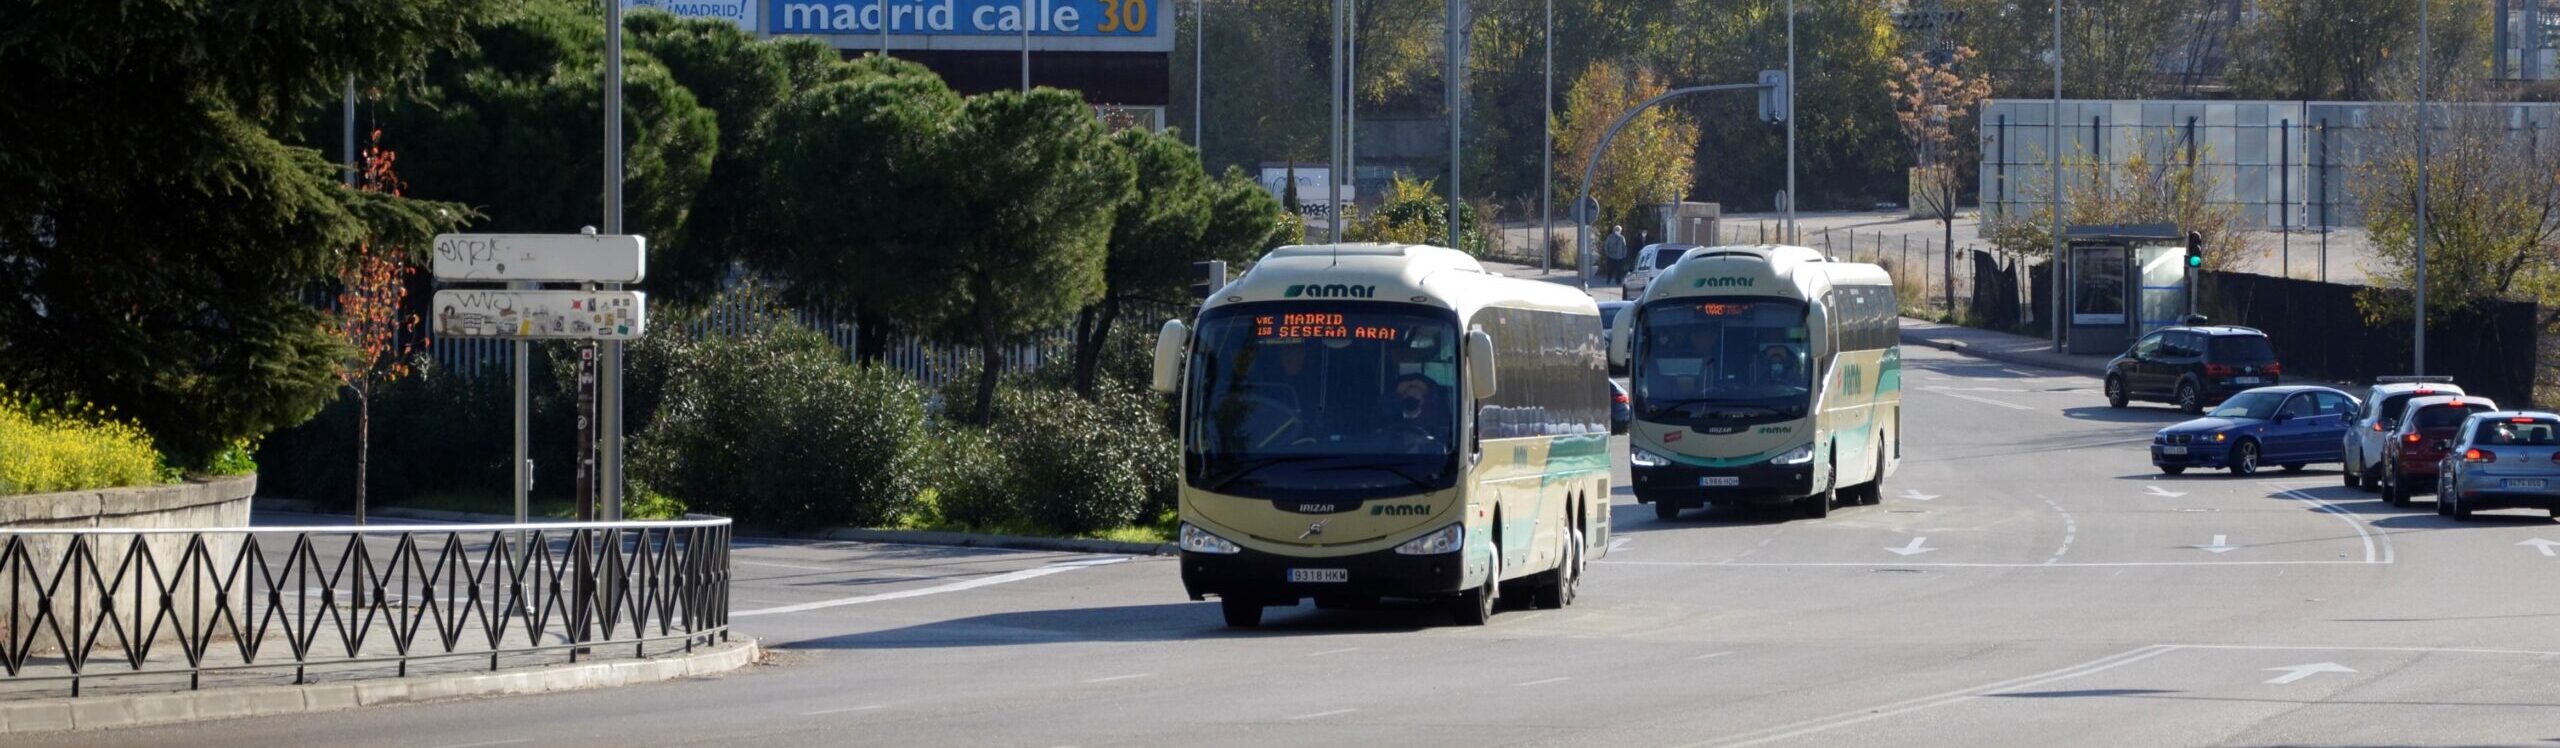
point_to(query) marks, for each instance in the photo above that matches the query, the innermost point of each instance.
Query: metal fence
(97, 603)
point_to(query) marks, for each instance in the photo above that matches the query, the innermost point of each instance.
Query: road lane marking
(864, 708)
(487, 744)
(790, 566)
(1621, 544)
(1336, 712)
(1915, 495)
(2542, 544)
(1912, 549)
(1983, 400)
(2292, 673)
(1541, 682)
(971, 584)
(1344, 650)
(1120, 677)
(2070, 531)
(1846, 719)
(2387, 554)
(1981, 565)
(1711, 655)
(2162, 492)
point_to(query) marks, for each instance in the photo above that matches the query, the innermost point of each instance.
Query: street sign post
(540, 315)
(555, 258)
(1586, 211)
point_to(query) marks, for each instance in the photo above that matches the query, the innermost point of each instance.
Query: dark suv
(2193, 366)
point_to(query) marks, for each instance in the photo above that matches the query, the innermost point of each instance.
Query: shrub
(70, 448)
(766, 427)
(972, 480)
(1078, 471)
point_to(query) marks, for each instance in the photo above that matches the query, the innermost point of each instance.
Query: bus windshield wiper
(1230, 479)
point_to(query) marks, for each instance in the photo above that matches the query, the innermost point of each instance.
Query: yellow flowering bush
(68, 449)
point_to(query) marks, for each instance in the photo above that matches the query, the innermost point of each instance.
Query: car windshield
(2445, 417)
(2241, 349)
(2256, 405)
(1731, 359)
(1293, 399)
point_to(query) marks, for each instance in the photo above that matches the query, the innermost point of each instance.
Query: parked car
(1619, 413)
(2193, 367)
(2288, 426)
(1650, 262)
(2501, 460)
(2382, 405)
(2411, 453)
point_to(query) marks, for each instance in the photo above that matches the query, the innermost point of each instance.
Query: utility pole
(1545, 240)
(609, 375)
(2053, 152)
(1791, 121)
(1333, 173)
(1026, 46)
(1351, 99)
(1199, 52)
(1457, 54)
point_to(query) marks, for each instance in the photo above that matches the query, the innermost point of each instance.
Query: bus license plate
(2523, 483)
(2173, 450)
(1319, 575)
(1720, 480)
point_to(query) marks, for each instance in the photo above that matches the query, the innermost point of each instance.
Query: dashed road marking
(1131, 676)
(863, 708)
(1334, 713)
(971, 584)
(1541, 682)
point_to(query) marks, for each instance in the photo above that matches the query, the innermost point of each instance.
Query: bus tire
(1555, 587)
(1475, 607)
(1818, 505)
(1872, 493)
(1666, 510)
(1241, 613)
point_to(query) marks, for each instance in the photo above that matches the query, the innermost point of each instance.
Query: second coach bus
(1763, 374)
(1367, 421)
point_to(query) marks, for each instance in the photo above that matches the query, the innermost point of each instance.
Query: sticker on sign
(561, 315)
(556, 258)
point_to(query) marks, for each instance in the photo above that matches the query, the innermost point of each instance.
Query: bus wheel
(1573, 583)
(1242, 613)
(1475, 607)
(1666, 509)
(1555, 587)
(1818, 505)
(1872, 493)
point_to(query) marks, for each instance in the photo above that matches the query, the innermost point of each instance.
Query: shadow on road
(2423, 517)
(2084, 694)
(2136, 414)
(1136, 623)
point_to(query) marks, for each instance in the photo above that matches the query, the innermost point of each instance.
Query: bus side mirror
(1618, 341)
(1168, 371)
(1480, 368)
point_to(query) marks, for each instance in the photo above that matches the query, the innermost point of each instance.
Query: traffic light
(1212, 275)
(2195, 249)
(1773, 96)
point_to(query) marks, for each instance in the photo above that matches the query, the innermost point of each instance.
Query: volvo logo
(1313, 530)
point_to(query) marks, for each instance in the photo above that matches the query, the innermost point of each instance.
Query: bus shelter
(2126, 281)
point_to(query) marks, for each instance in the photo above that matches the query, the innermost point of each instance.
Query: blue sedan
(2287, 426)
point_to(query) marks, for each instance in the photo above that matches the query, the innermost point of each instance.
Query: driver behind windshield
(1779, 365)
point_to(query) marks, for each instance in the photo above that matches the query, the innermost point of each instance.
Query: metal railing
(93, 603)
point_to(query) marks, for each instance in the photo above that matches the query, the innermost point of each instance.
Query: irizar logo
(1727, 281)
(1399, 510)
(1330, 291)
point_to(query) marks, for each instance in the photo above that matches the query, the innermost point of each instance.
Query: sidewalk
(1999, 346)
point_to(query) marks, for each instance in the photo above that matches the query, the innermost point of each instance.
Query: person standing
(1615, 250)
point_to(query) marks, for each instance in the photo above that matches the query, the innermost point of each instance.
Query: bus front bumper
(1687, 485)
(1267, 577)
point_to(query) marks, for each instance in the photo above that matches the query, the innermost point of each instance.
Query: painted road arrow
(2542, 544)
(2219, 545)
(1917, 496)
(2299, 672)
(1913, 549)
(2157, 491)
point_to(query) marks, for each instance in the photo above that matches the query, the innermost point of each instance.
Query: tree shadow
(2162, 416)
(1135, 623)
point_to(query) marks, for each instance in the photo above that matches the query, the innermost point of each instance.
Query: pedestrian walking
(1615, 251)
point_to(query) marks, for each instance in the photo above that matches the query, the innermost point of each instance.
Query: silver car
(2365, 447)
(2501, 460)
(1650, 262)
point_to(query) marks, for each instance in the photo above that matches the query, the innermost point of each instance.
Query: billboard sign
(540, 315)
(740, 12)
(560, 258)
(1056, 25)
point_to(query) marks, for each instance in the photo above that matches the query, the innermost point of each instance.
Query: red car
(2410, 455)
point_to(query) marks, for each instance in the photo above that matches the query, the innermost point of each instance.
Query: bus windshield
(1722, 359)
(1352, 400)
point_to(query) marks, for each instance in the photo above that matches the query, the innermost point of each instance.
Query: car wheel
(2244, 458)
(2392, 492)
(2372, 477)
(2350, 476)
(2115, 392)
(1242, 613)
(2293, 467)
(2460, 511)
(1666, 510)
(2443, 508)
(2190, 401)
(2173, 469)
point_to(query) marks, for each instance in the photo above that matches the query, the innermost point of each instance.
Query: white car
(1649, 262)
(2364, 447)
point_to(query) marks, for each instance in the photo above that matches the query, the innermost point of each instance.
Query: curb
(301, 506)
(1959, 347)
(1009, 542)
(107, 712)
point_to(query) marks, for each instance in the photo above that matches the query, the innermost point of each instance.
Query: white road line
(2387, 554)
(1710, 655)
(1983, 400)
(791, 566)
(1619, 544)
(1343, 650)
(487, 744)
(2019, 565)
(1540, 682)
(864, 708)
(1845, 719)
(1006, 578)
(1324, 714)
(1130, 676)
(2411, 650)
(2021, 373)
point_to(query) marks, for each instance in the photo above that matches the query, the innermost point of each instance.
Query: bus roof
(1393, 272)
(1714, 270)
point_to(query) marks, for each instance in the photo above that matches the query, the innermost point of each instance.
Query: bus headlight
(1799, 456)
(1644, 458)
(1197, 540)
(1445, 540)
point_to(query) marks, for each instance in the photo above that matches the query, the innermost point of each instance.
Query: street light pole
(1199, 47)
(1026, 46)
(609, 363)
(1457, 54)
(1792, 234)
(2418, 356)
(1333, 173)
(1547, 156)
(2053, 152)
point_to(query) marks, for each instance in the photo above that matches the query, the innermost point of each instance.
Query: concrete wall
(139, 600)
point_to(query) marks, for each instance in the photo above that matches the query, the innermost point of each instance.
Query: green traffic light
(2195, 261)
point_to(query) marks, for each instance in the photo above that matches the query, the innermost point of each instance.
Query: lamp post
(2418, 356)
(2053, 152)
(1547, 155)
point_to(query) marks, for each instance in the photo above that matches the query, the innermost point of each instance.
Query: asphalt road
(2029, 580)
